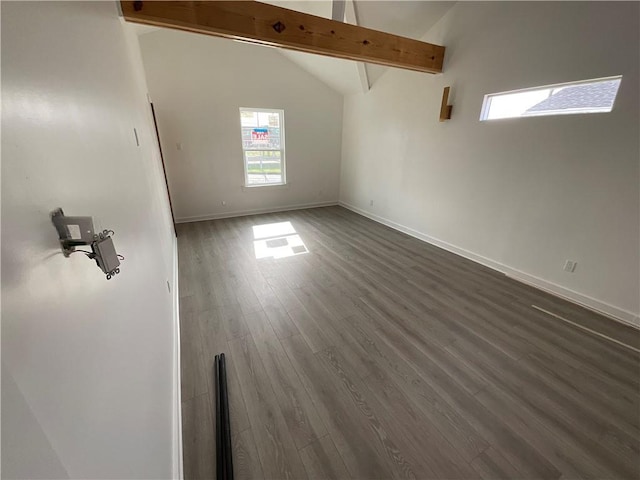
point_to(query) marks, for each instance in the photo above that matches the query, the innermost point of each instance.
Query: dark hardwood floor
(375, 355)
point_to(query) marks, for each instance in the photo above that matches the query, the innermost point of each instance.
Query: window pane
(268, 119)
(260, 130)
(248, 119)
(261, 138)
(262, 133)
(590, 96)
(263, 167)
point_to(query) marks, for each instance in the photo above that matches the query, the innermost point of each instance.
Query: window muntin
(587, 96)
(263, 146)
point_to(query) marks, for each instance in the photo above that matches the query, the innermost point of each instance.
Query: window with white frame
(263, 146)
(586, 96)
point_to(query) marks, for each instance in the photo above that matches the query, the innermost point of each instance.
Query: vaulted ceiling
(405, 18)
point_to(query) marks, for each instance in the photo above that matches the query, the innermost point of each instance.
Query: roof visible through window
(589, 96)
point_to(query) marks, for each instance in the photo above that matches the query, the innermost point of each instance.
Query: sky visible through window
(590, 96)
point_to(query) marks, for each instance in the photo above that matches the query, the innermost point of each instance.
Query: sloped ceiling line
(411, 19)
(350, 16)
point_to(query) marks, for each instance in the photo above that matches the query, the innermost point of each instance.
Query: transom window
(263, 146)
(586, 96)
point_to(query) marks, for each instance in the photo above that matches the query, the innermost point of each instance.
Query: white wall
(521, 195)
(88, 365)
(197, 84)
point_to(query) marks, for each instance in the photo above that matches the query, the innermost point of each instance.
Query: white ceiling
(341, 75)
(321, 8)
(406, 18)
(142, 29)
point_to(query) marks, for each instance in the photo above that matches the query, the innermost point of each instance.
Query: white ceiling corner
(411, 19)
(140, 29)
(401, 17)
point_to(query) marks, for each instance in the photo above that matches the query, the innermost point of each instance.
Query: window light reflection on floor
(277, 240)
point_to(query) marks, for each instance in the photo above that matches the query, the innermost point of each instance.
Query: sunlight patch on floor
(277, 240)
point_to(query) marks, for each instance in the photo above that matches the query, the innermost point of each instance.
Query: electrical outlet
(371, 203)
(570, 266)
(179, 146)
(224, 202)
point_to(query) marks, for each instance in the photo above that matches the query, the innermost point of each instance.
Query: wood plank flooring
(375, 355)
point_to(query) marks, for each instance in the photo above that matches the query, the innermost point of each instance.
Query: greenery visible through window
(263, 146)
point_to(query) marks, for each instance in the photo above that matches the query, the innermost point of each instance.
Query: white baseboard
(255, 211)
(176, 447)
(598, 306)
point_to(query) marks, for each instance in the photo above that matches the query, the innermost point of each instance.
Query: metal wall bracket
(73, 231)
(76, 231)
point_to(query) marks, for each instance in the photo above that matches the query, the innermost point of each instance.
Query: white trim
(255, 211)
(582, 327)
(256, 109)
(611, 311)
(177, 465)
(556, 85)
(364, 77)
(283, 162)
(258, 186)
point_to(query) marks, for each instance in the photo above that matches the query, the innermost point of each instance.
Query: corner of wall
(177, 463)
(586, 301)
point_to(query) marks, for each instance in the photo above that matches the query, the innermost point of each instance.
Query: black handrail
(224, 460)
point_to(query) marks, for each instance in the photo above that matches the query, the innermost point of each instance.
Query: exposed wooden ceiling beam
(280, 27)
(350, 16)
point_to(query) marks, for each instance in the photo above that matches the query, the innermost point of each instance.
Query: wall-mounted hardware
(77, 231)
(445, 108)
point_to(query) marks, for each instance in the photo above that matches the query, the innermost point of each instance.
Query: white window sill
(246, 188)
